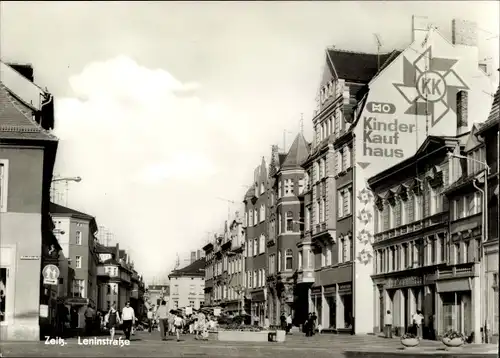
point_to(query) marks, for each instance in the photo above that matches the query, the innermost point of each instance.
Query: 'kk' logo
(430, 86)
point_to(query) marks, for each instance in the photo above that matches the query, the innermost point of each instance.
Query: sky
(163, 108)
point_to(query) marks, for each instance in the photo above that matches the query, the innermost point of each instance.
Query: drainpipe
(482, 275)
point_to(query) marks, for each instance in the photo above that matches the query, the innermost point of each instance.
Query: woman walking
(113, 320)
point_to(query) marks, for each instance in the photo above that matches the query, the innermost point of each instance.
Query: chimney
(419, 27)
(464, 32)
(462, 112)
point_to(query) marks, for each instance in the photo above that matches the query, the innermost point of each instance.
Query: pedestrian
(388, 324)
(112, 320)
(309, 325)
(314, 319)
(178, 324)
(266, 323)
(418, 319)
(150, 320)
(288, 323)
(283, 321)
(162, 316)
(89, 320)
(128, 318)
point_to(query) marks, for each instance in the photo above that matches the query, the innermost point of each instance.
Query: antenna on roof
(379, 46)
(302, 123)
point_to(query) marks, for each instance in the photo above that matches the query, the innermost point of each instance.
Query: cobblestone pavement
(144, 344)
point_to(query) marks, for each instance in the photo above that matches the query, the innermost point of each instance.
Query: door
(406, 312)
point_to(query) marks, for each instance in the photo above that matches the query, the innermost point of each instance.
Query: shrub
(408, 336)
(452, 334)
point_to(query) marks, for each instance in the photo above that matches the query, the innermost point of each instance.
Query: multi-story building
(115, 278)
(286, 219)
(489, 133)
(210, 270)
(474, 232)
(75, 232)
(187, 286)
(417, 264)
(383, 108)
(27, 156)
(256, 202)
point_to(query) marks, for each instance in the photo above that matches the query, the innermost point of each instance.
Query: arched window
(289, 259)
(262, 212)
(289, 221)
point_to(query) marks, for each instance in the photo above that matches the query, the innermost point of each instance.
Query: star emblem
(365, 237)
(364, 216)
(365, 196)
(430, 86)
(364, 257)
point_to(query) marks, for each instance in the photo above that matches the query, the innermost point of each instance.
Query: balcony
(470, 269)
(305, 276)
(413, 227)
(319, 228)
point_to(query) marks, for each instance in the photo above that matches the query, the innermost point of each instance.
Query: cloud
(153, 157)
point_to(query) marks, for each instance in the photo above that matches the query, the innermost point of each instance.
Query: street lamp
(484, 226)
(66, 180)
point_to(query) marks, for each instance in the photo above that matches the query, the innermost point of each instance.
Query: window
(289, 259)
(279, 261)
(310, 259)
(344, 202)
(176, 290)
(78, 261)
(108, 289)
(323, 209)
(3, 184)
(176, 304)
(308, 219)
(262, 244)
(79, 288)
(191, 303)
(262, 213)
(338, 162)
(3, 289)
(288, 187)
(289, 221)
(279, 189)
(300, 263)
(250, 217)
(246, 218)
(272, 262)
(279, 224)
(255, 279)
(255, 248)
(192, 290)
(78, 237)
(255, 217)
(301, 186)
(328, 256)
(262, 188)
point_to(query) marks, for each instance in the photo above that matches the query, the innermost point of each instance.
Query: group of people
(127, 320)
(286, 322)
(416, 327)
(174, 322)
(310, 324)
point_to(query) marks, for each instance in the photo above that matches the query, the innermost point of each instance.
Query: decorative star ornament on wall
(365, 196)
(365, 237)
(430, 86)
(364, 216)
(365, 257)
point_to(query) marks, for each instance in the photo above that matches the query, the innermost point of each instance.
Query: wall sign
(29, 257)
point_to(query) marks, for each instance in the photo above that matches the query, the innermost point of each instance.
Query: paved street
(145, 344)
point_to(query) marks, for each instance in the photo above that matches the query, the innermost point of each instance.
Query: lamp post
(66, 180)
(484, 236)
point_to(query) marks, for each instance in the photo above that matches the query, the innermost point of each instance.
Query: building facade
(75, 232)
(256, 209)
(286, 225)
(27, 156)
(155, 294)
(419, 264)
(187, 286)
(397, 111)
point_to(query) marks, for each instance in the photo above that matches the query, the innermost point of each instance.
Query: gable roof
(101, 249)
(16, 119)
(494, 117)
(59, 209)
(196, 269)
(359, 66)
(298, 152)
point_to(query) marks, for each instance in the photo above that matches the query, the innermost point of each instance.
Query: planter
(247, 336)
(455, 343)
(410, 342)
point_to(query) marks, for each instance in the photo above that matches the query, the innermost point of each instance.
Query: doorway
(381, 309)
